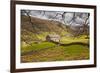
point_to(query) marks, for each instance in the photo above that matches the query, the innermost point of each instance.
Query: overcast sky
(79, 17)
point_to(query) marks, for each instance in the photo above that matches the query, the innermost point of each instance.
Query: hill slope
(39, 28)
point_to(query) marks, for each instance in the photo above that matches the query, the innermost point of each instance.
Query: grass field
(67, 40)
(36, 47)
(57, 53)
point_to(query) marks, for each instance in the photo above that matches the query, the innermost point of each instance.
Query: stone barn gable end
(54, 38)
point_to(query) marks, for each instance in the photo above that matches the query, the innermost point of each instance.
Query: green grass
(60, 53)
(66, 40)
(77, 51)
(35, 46)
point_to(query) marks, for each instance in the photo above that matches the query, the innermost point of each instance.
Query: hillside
(39, 28)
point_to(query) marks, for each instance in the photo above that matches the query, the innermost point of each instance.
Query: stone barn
(54, 38)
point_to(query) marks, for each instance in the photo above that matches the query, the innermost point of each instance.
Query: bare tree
(27, 12)
(86, 26)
